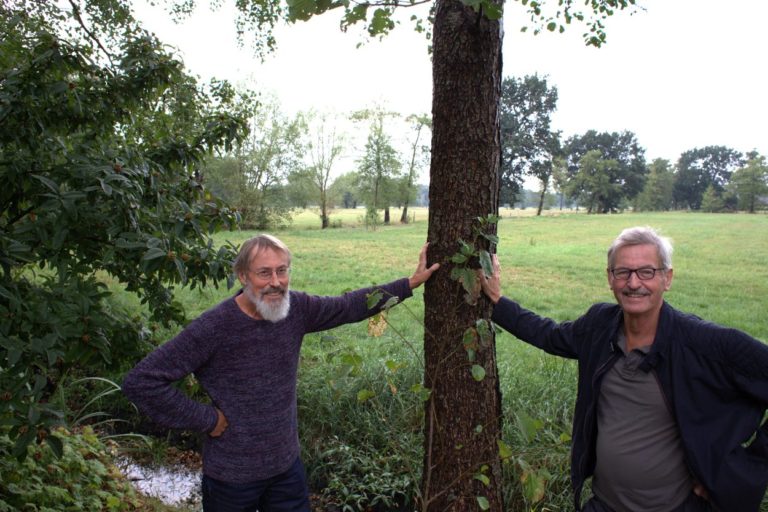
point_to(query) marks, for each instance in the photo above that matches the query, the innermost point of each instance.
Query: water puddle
(173, 485)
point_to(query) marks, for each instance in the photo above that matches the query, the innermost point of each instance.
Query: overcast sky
(680, 75)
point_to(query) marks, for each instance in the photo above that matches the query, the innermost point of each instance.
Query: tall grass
(360, 409)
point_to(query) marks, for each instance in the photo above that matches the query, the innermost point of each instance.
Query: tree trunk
(386, 215)
(404, 215)
(462, 415)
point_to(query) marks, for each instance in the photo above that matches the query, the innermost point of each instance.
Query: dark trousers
(692, 504)
(287, 492)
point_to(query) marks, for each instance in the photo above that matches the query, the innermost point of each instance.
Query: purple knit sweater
(248, 368)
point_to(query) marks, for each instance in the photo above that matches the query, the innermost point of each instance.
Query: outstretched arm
(422, 272)
(492, 284)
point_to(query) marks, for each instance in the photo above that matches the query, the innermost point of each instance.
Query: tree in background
(712, 200)
(658, 189)
(419, 158)
(379, 167)
(750, 183)
(592, 184)
(620, 180)
(272, 151)
(527, 140)
(345, 187)
(324, 150)
(700, 168)
(101, 148)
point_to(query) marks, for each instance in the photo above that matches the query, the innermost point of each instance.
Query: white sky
(682, 74)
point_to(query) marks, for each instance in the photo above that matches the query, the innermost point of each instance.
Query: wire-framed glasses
(265, 274)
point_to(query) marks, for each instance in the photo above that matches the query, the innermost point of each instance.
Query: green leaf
(458, 258)
(485, 263)
(482, 502)
(55, 444)
(484, 331)
(469, 340)
(478, 372)
(505, 452)
(528, 426)
(374, 298)
(466, 276)
(391, 302)
(49, 183)
(20, 447)
(483, 478)
(364, 395)
(154, 253)
(422, 392)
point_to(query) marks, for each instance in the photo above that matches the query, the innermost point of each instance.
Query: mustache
(635, 291)
(273, 289)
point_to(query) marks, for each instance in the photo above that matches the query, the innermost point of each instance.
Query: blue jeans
(287, 492)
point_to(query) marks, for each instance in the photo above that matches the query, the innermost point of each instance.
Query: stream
(173, 485)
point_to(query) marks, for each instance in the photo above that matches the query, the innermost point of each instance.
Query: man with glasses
(245, 354)
(669, 407)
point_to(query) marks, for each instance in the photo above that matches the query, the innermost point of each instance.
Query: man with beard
(245, 353)
(669, 407)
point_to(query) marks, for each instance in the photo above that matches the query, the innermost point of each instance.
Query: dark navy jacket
(714, 379)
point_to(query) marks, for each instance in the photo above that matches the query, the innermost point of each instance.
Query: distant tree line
(311, 161)
(607, 172)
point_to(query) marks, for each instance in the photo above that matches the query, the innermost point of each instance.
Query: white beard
(269, 310)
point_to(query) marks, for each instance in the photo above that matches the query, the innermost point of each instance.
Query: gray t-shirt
(640, 461)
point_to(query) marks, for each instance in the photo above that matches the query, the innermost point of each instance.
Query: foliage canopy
(102, 135)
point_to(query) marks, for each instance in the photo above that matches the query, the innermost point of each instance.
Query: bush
(83, 478)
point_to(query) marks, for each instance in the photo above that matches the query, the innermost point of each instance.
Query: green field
(368, 452)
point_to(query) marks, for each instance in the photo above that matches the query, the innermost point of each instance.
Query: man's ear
(668, 275)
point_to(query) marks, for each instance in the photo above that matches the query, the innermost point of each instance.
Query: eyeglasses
(265, 274)
(643, 274)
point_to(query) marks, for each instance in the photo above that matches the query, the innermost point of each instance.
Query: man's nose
(634, 280)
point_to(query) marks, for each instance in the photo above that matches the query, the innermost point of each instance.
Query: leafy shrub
(83, 478)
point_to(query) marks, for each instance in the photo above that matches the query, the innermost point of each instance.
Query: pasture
(360, 415)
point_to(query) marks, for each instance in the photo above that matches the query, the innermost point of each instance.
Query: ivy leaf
(466, 276)
(485, 263)
(484, 331)
(374, 298)
(505, 452)
(478, 372)
(482, 502)
(420, 391)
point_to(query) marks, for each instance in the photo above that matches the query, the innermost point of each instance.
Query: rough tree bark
(463, 415)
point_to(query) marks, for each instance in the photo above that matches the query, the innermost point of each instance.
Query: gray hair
(254, 246)
(642, 235)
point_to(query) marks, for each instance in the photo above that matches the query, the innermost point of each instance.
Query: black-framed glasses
(643, 274)
(265, 274)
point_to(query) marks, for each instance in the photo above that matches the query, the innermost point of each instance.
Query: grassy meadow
(360, 414)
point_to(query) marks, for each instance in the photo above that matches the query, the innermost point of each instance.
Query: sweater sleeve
(541, 332)
(150, 384)
(327, 312)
